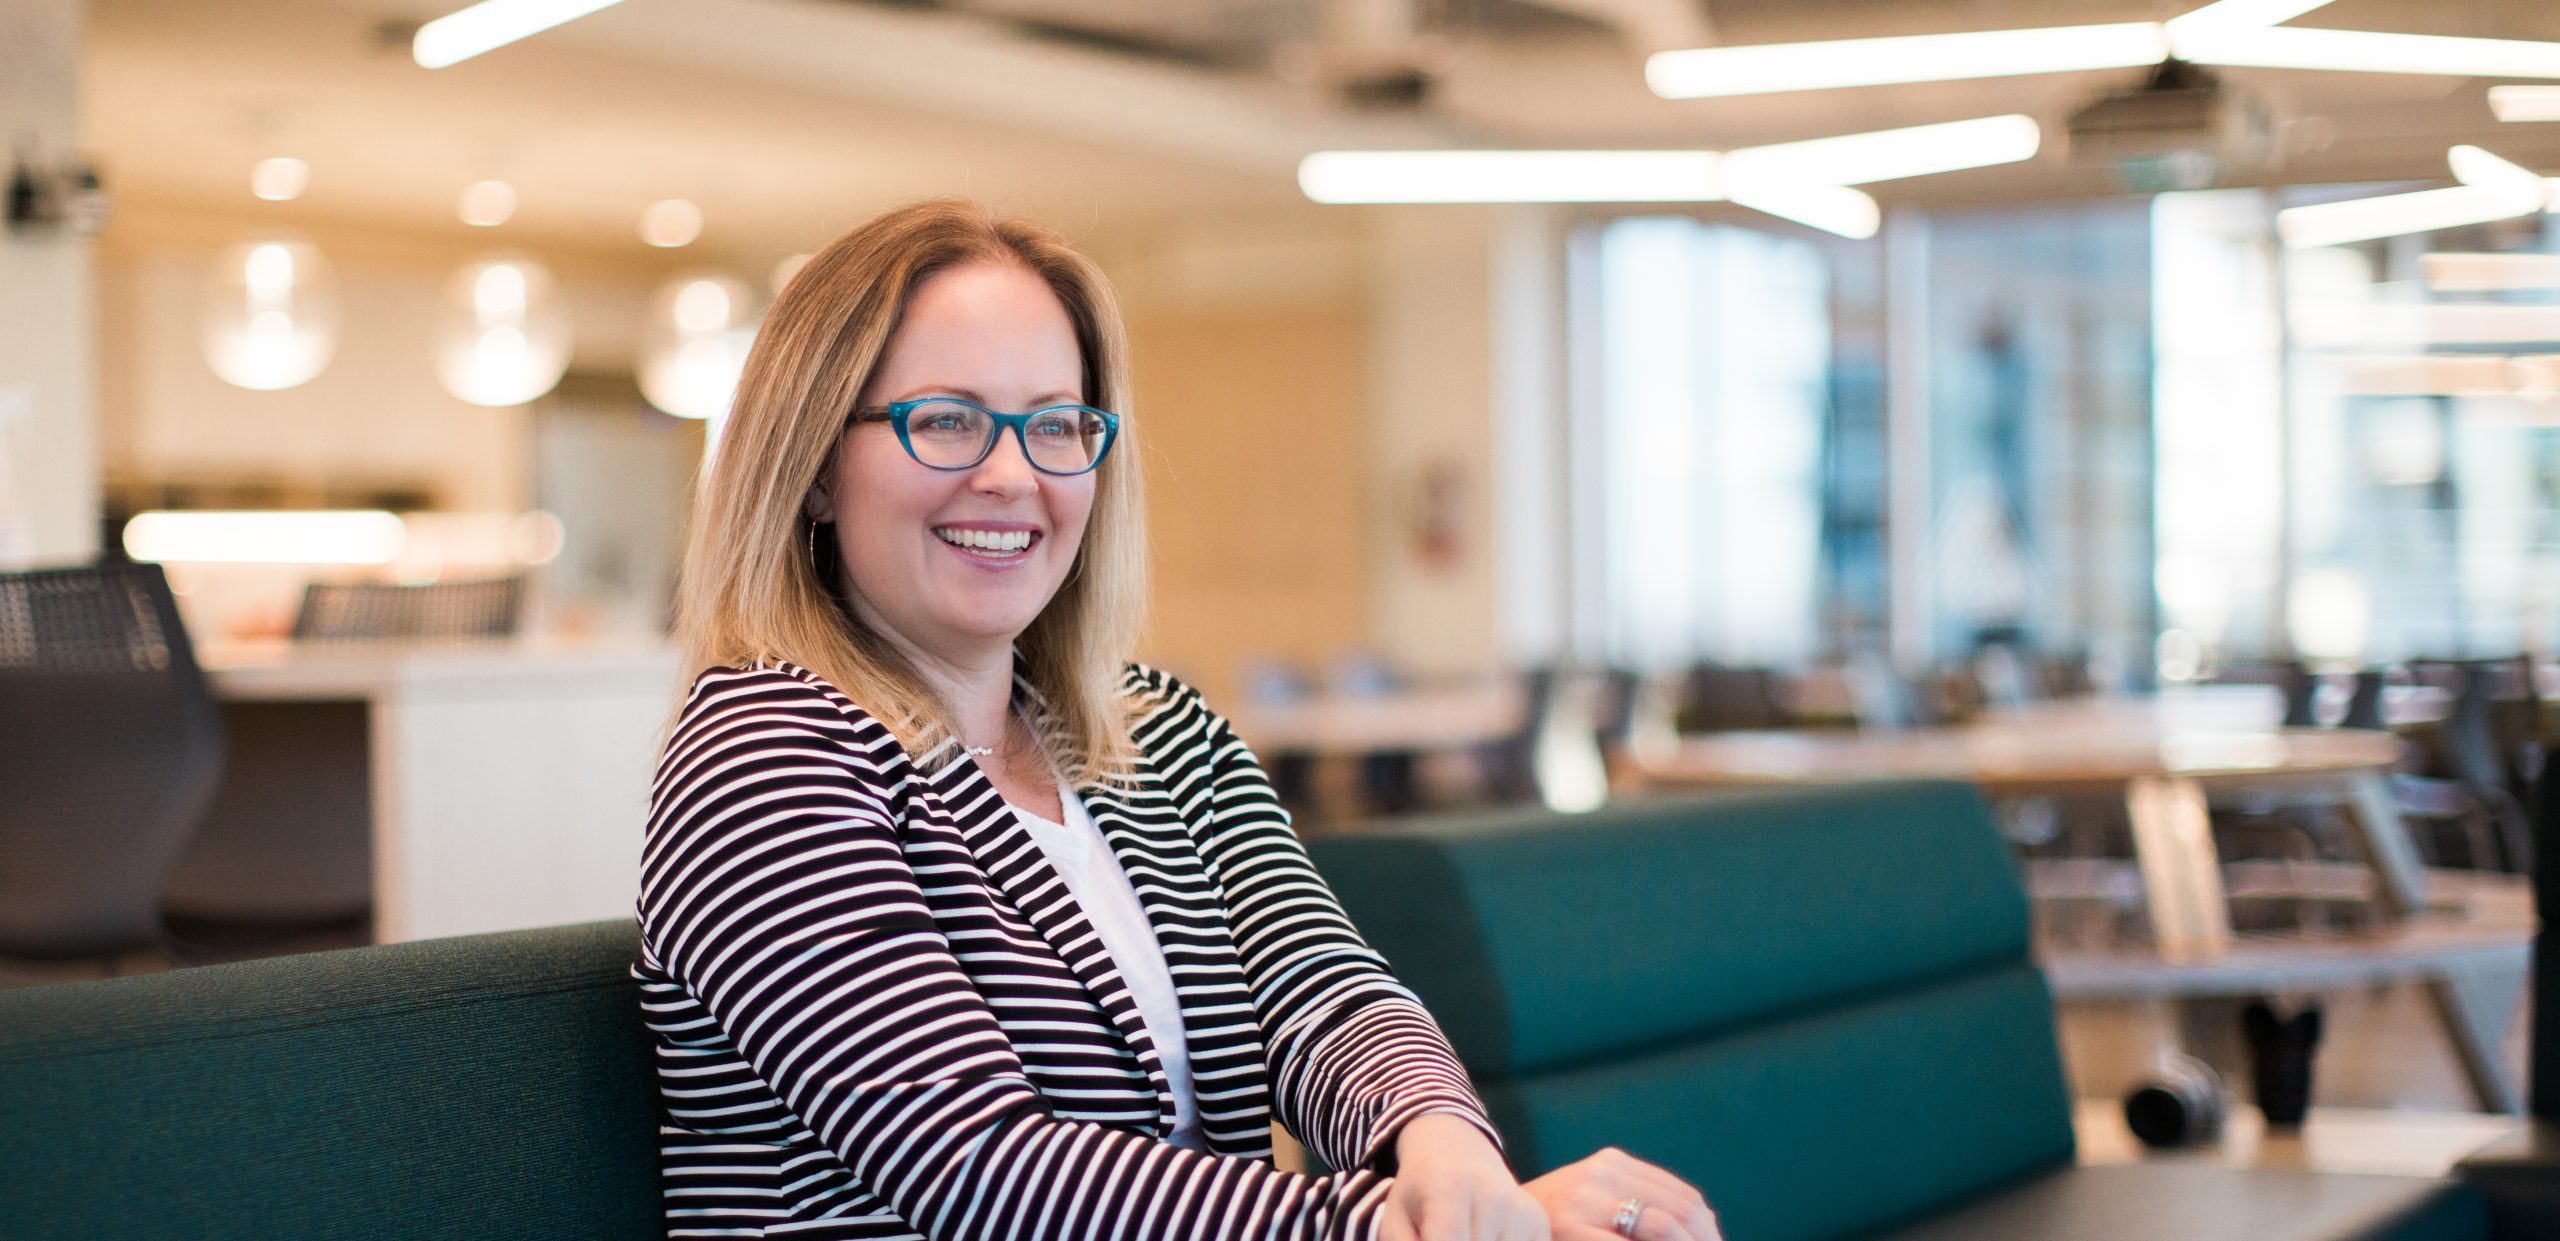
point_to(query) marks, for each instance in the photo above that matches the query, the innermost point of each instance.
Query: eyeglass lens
(949, 435)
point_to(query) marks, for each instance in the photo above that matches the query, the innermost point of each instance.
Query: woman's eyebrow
(1046, 399)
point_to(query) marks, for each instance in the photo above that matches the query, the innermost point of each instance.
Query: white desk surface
(284, 671)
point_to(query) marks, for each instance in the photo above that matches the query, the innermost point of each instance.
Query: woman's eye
(1060, 428)
(945, 422)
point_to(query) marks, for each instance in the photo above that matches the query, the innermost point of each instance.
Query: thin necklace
(984, 751)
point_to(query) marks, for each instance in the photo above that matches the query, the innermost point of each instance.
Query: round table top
(2024, 755)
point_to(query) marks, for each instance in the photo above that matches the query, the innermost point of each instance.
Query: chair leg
(2475, 1007)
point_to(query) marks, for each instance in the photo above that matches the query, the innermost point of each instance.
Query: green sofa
(1817, 1006)
(2522, 1174)
(479, 1089)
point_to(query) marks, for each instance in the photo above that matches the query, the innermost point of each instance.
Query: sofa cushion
(1826, 1126)
(491, 1086)
(2205, 1202)
(1677, 918)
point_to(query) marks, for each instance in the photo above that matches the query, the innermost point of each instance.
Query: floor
(2382, 1050)
(2387, 1094)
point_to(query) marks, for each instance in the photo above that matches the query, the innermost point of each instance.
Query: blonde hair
(760, 581)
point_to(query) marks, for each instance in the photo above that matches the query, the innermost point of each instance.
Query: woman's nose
(1007, 472)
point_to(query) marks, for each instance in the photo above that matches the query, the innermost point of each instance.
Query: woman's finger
(1675, 1196)
(1660, 1223)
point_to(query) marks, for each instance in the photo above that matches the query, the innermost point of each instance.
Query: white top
(1093, 875)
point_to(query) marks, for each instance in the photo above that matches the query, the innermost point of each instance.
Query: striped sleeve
(776, 888)
(1353, 1054)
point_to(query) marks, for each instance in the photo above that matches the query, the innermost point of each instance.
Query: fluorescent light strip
(2366, 51)
(1831, 208)
(2229, 16)
(461, 35)
(1712, 72)
(2363, 219)
(1891, 154)
(2489, 171)
(2490, 273)
(1510, 176)
(322, 537)
(2525, 103)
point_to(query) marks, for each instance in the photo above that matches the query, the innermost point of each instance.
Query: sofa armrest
(2520, 1174)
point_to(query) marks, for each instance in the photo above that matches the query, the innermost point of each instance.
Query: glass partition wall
(2135, 433)
(1737, 430)
(2358, 458)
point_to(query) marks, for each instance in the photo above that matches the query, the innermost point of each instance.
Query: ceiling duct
(1375, 54)
(2182, 129)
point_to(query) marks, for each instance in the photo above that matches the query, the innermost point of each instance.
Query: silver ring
(1629, 1212)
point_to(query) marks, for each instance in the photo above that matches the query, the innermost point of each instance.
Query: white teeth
(985, 540)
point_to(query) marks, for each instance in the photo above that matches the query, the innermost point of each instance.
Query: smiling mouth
(997, 545)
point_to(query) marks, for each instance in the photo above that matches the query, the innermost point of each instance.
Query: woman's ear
(818, 506)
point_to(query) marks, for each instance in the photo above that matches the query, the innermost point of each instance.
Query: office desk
(508, 781)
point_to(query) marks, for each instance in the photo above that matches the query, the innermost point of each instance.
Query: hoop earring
(810, 538)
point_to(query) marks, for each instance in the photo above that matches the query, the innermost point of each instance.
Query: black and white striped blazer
(878, 1012)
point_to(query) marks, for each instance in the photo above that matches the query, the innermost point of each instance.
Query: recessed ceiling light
(487, 204)
(670, 223)
(280, 179)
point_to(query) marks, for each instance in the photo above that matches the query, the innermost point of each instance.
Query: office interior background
(1536, 410)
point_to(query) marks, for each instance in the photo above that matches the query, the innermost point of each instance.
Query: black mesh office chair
(277, 863)
(437, 611)
(110, 747)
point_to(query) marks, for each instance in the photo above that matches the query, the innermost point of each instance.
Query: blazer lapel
(1010, 857)
(1223, 1043)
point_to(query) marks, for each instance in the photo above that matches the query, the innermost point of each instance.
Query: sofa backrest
(1816, 1005)
(486, 1087)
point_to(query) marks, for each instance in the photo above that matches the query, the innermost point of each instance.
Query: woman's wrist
(1443, 1137)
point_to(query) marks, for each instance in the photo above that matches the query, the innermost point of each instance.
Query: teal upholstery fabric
(2521, 1176)
(1816, 1005)
(481, 1088)
(1678, 918)
(1827, 1125)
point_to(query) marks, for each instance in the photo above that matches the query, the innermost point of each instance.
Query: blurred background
(2179, 392)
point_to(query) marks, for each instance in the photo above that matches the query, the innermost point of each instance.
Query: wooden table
(1406, 720)
(2165, 770)
(2162, 772)
(508, 780)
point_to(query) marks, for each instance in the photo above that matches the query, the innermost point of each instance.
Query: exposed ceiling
(789, 119)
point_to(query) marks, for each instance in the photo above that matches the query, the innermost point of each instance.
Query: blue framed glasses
(947, 433)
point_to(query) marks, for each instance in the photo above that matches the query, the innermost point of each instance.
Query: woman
(954, 925)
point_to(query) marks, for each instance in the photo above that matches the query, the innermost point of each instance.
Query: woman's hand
(1451, 1185)
(1582, 1201)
